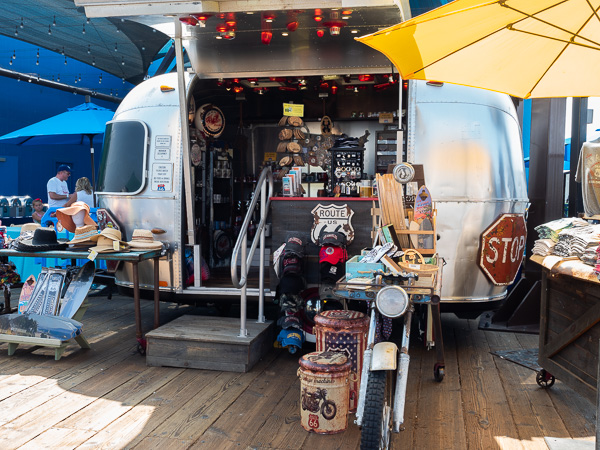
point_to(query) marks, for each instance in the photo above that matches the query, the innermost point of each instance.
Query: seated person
(38, 210)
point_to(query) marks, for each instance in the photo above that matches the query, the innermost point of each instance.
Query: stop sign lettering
(502, 248)
(508, 248)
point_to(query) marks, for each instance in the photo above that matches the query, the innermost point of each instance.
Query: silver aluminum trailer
(468, 139)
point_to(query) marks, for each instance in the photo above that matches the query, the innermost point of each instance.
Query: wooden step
(204, 342)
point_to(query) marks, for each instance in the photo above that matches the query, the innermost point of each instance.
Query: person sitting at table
(83, 193)
(38, 210)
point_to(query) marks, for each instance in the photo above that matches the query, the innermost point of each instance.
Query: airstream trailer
(467, 140)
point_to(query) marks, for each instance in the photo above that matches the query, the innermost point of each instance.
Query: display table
(570, 322)
(133, 257)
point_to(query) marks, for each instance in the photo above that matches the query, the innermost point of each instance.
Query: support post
(185, 134)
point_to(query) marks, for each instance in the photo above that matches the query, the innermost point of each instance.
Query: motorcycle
(311, 401)
(384, 376)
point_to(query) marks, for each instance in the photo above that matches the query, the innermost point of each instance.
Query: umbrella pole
(91, 138)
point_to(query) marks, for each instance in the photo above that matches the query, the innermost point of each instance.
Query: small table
(134, 257)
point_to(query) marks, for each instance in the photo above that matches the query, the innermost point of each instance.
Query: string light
(63, 51)
(49, 29)
(16, 31)
(100, 79)
(58, 77)
(123, 80)
(116, 48)
(89, 49)
(143, 48)
(14, 55)
(87, 20)
(65, 60)
(10, 62)
(79, 77)
(83, 29)
(21, 23)
(54, 22)
(93, 61)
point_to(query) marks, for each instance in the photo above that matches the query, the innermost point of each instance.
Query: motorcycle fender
(384, 356)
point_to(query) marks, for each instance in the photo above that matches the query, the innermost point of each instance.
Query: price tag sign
(291, 109)
(116, 246)
(92, 255)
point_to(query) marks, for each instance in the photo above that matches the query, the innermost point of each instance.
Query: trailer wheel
(439, 372)
(545, 379)
(377, 417)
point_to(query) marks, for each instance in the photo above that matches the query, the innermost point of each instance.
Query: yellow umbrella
(525, 48)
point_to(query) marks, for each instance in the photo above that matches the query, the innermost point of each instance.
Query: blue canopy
(71, 127)
(66, 128)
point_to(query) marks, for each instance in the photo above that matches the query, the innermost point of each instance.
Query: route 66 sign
(329, 218)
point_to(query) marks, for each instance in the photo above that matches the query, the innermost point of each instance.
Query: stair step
(205, 342)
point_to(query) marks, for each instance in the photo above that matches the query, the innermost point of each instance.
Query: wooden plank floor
(107, 397)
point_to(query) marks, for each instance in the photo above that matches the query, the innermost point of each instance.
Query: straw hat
(107, 245)
(84, 234)
(29, 227)
(145, 240)
(110, 233)
(65, 216)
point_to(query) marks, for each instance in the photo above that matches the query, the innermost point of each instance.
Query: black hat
(290, 284)
(44, 239)
(294, 244)
(335, 238)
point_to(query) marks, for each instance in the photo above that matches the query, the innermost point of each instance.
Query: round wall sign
(210, 120)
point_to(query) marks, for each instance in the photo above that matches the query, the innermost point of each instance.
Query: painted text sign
(502, 248)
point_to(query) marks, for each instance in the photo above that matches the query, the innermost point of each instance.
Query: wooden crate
(203, 342)
(570, 330)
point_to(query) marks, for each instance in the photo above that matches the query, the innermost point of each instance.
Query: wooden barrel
(345, 332)
(324, 392)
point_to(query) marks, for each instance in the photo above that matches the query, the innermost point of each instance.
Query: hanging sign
(291, 109)
(162, 177)
(329, 217)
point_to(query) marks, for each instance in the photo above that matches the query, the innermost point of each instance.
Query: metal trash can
(324, 395)
(346, 332)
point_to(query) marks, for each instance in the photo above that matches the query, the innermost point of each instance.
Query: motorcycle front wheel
(376, 429)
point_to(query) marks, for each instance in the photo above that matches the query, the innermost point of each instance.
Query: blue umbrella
(85, 120)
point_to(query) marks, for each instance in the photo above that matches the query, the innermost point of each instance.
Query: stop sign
(502, 248)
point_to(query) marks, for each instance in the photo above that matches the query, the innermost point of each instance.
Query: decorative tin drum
(345, 332)
(324, 392)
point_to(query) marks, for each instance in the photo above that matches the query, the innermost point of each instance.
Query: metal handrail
(242, 243)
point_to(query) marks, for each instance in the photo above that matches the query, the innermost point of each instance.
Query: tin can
(345, 332)
(324, 392)
(3, 240)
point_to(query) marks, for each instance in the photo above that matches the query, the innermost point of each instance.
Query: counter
(570, 322)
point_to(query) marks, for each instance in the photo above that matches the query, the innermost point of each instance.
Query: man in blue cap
(58, 191)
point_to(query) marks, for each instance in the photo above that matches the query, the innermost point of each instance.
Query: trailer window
(123, 158)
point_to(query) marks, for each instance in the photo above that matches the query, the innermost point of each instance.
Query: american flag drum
(344, 332)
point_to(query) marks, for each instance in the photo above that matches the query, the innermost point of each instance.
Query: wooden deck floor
(107, 397)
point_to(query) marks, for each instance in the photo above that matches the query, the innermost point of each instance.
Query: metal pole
(261, 270)
(91, 138)
(185, 134)
(243, 330)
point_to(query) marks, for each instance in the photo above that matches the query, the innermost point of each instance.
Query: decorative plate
(210, 120)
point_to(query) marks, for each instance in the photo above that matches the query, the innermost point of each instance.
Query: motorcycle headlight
(392, 301)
